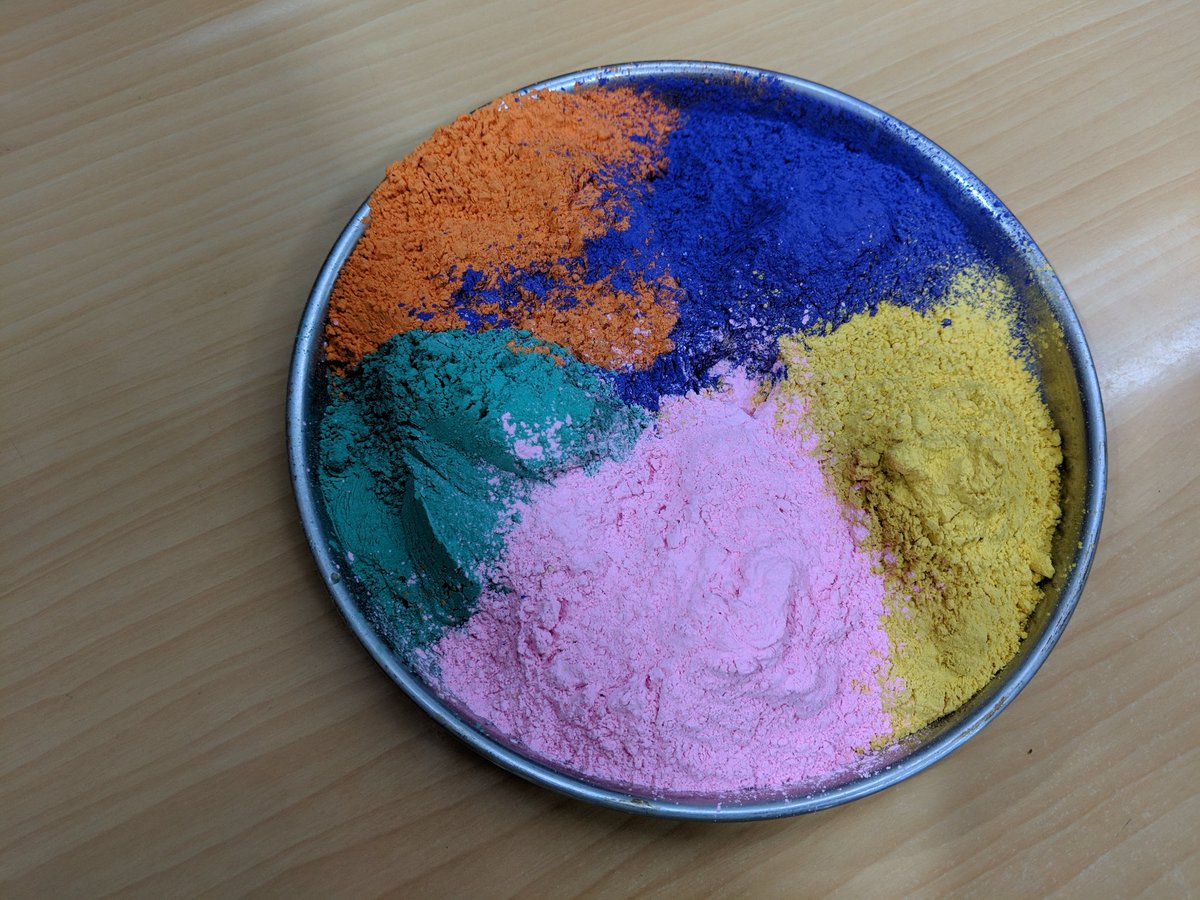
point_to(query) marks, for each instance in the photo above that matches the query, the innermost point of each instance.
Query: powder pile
(428, 443)
(514, 188)
(933, 424)
(648, 231)
(680, 433)
(752, 655)
(775, 217)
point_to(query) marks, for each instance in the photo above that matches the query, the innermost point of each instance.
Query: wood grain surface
(183, 712)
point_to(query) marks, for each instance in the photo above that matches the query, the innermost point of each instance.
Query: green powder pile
(429, 444)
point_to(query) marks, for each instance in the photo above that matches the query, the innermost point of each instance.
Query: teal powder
(428, 444)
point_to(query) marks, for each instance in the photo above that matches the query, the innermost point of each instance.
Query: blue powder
(774, 214)
(775, 217)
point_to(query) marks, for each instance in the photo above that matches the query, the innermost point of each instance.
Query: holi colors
(653, 437)
(694, 617)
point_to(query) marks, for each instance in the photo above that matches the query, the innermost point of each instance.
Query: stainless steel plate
(1072, 394)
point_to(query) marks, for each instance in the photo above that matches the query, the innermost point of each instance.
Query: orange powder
(519, 185)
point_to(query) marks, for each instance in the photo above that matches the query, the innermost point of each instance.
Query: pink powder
(527, 439)
(695, 617)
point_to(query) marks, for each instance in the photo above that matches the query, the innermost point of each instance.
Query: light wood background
(183, 712)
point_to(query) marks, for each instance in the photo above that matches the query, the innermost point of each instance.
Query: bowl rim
(309, 343)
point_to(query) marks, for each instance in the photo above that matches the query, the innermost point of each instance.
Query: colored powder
(760, 585)
(774, 215)
(427, 444)
(515, 187)
(695, 617)
(653, 232)
(933, 423)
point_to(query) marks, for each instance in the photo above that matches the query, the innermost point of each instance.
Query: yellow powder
(939, 434)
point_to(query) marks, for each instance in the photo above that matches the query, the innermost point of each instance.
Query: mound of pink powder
(696, 617)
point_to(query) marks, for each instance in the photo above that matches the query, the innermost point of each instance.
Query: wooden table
(183, 710)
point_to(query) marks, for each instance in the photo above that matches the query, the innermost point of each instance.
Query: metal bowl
(1072, 394)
